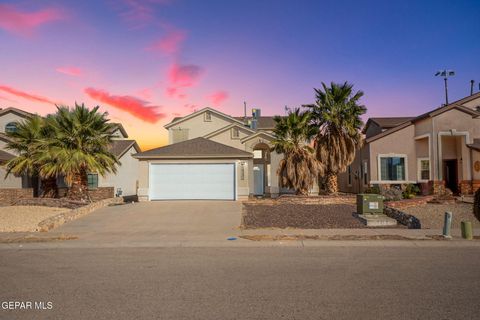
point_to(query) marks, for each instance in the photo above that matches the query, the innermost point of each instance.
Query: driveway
(158, 221)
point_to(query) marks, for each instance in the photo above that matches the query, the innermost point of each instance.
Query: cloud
(71, 71)
(25, 23)
(218, 97)
(25, 95)
(184, 75)
(136, 107)
(139, 13)
(170, 44)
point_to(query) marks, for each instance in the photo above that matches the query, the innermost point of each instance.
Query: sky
(147, 61)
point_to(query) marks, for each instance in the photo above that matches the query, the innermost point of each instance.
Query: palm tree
(336, 113)
(298, 169)
(25, 141)
(80, 145)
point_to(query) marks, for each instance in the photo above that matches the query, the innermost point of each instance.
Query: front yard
(315, 212)
(25, 218)
(431, 216)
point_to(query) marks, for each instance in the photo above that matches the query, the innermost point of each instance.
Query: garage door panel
(192, 181)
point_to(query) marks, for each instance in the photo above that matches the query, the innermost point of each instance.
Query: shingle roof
(266, 122)
(390, 122)
(195, 149)
(5, 156)
(475, 145)
(119, 147)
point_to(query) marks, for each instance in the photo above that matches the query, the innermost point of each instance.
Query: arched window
(11, 127)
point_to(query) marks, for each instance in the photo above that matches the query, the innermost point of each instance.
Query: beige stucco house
(437, 149)
(211, 155)
(124, 182)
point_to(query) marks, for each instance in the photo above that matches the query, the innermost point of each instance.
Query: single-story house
(438, 149)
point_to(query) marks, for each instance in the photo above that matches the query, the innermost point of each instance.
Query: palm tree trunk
(49, 186)
(79, 187)
(331, 183)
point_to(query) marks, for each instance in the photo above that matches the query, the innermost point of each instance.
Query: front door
(450, 175)
(258, 176)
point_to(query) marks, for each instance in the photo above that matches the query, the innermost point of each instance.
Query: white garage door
(192, 181)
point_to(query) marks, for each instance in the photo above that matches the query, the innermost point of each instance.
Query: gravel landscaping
(25, 218)
(431, 216)
(288, 214)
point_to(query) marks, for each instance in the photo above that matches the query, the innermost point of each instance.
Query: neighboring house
(438, 149)
(124, 181)
(212, 155)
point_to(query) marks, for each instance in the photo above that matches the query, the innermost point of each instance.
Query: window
(92, 180)
(235, 133)
(365, 173)
(423, 169)
(208, 116)
(392, 168)
(349, 169)
(257, 154)
(11, 127)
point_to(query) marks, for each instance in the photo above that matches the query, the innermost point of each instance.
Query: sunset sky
(148, 61)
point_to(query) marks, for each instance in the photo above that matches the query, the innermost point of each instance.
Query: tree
(80, 145)
(298, 169)
(336, 113)
(26, 142)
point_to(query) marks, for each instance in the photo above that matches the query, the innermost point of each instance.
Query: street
(243, 283)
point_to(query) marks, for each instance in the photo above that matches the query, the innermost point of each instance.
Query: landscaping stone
(403, 218)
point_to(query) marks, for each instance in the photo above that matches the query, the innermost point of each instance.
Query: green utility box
(369, 203)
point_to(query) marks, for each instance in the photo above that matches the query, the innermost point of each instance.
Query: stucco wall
(126, 177)
(7, 118)
(225, 137)
(11, 181)
(198, 127)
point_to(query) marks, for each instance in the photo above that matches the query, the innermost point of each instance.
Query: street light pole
(445, 74)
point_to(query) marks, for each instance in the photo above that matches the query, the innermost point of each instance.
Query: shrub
(410, 191)
(392, 194)
(476, 205)
(375, 189)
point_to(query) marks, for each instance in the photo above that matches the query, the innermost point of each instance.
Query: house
(438, 149)
(212, 155)
(124, 182)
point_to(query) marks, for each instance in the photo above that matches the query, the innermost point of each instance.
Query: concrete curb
(58, 220)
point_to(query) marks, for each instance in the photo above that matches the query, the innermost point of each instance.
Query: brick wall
(101, 193)
(10, 195)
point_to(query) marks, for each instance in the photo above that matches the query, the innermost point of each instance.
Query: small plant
(410, 191)
(375, 189)
(476, 205)
(392, 194)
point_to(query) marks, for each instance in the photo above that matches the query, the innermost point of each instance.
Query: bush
(476, 205)
(410, 191)
(375, 189)
(392, 194)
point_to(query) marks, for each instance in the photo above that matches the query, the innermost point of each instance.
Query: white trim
(226, 116)
(453, 133)
(250, 137)
(230, 126)
(419, 169)
(391, 155)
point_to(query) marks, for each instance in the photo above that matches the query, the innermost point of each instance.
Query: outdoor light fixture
(445, 74)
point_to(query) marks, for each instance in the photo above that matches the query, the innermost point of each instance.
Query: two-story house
(211, 155)
(124, 182)
(437, 149)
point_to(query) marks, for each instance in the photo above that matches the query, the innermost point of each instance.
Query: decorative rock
(403, 218)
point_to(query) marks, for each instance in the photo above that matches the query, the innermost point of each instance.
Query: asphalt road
(243, 283)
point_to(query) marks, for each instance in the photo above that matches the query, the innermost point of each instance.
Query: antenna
(244, 109)
(472, 83)
(445, 74)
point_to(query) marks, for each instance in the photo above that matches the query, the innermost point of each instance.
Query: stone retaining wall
(62, 218)
(101, 193)
(406, 219)
(10, 195)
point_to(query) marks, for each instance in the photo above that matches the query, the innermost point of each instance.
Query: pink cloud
(71, 71)
(190, 107)
(217, 98)
(25, 23)
(139, 13)
(182, 76)
(170, 44)
(134, 106)
(25, 95)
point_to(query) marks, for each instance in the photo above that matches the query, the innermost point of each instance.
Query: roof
(21, 113)
(177, 120)
(454, 105)
(475, 145)
(120, 127)
(389, 122)
(119, 147)
(5, 156)
(266, 122)
(5, 137)
(197, 148)
(223, 129)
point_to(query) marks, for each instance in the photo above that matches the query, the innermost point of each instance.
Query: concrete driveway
(151, 222)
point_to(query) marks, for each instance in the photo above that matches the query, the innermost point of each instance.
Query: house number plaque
(476, 166)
